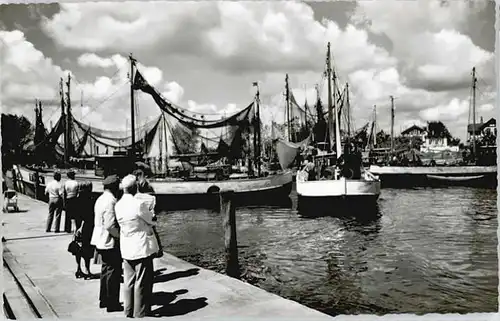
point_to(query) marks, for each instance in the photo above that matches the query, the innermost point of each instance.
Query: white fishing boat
(344, 185)
(366, 189)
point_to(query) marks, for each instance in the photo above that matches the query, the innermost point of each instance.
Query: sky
(204, 56)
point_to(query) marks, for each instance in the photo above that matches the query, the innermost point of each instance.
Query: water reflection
(418, 251)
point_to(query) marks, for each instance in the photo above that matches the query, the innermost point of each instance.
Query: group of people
(349, 165)
(120, 227)
(63, 196)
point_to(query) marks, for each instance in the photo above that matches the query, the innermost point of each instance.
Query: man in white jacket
(138, 246)
(105, 238)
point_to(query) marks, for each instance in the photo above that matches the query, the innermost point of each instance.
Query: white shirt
(137, 239)
(148, 199)
(54, 189)
(105, 224)
(71, 188)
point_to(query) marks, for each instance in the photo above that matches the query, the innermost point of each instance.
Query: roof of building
(479, 126)
(411, 128)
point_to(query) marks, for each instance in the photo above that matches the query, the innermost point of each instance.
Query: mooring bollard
(230, 241)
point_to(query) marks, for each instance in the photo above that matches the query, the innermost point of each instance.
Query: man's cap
(128, 181)
(111, 180)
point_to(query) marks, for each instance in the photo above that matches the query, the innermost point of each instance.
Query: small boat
(466, 181)
(400, 176)
(455, 178)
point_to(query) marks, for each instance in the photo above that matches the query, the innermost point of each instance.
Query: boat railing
(370, 175)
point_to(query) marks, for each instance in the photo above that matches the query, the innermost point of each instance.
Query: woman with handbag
(83, 234)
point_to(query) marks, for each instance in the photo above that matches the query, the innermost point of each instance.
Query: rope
(102, 102)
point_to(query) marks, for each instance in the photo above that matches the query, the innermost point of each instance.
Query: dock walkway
(39, 280)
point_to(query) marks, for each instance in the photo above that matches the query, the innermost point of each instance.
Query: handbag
(74, 247)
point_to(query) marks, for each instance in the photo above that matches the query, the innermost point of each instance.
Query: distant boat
(422, 176)
(442, 175)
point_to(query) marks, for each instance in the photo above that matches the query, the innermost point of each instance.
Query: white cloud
(235, 36)
(428, 41)
(446, 112)
(93, 60)
(486, 108)
(426, 64)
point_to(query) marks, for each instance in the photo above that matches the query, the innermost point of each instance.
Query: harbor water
(427, 250)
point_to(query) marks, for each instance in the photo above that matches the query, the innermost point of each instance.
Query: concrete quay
(39, 280)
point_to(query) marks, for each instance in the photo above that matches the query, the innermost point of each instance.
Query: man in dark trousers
(70, 202)
(105, 238)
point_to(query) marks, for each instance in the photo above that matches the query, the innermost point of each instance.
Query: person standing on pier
(70, 202)
(145, 193)
(85, 213)
(55, 191)
(142, 182)
(138, 246)
(105, 238)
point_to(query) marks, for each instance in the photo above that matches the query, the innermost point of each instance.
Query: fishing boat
(429, 176)
(481, 171)
(344, 185)
(155, 142)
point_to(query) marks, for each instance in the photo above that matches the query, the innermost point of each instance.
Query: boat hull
(360, 206)
(337, 196)
(271, 190)
(437, 176)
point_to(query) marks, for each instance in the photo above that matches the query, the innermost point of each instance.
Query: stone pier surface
(39, 280)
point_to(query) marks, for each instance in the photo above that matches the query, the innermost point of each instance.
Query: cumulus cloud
(26, 75)
(425, 63)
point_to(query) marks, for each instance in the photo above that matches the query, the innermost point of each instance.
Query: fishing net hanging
(190, 131)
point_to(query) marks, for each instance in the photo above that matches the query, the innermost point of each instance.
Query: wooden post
(230, 240)
(37, 182)
(14, 180)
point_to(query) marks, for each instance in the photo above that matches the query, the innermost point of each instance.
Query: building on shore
(482, 129)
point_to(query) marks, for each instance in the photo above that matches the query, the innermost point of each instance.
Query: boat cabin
(119, 164)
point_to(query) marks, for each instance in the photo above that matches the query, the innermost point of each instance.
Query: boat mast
(392, 125)
(166, 141)
(160, 144)
(333, 78)
(330, 104)
(348, 111)
(287, 97)
(306, 108)
(38, 111)
(319, 110)
(68, 118)
(257, 99)
(63, 119)
(374, 129)
(132, 106)
(474, 80)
